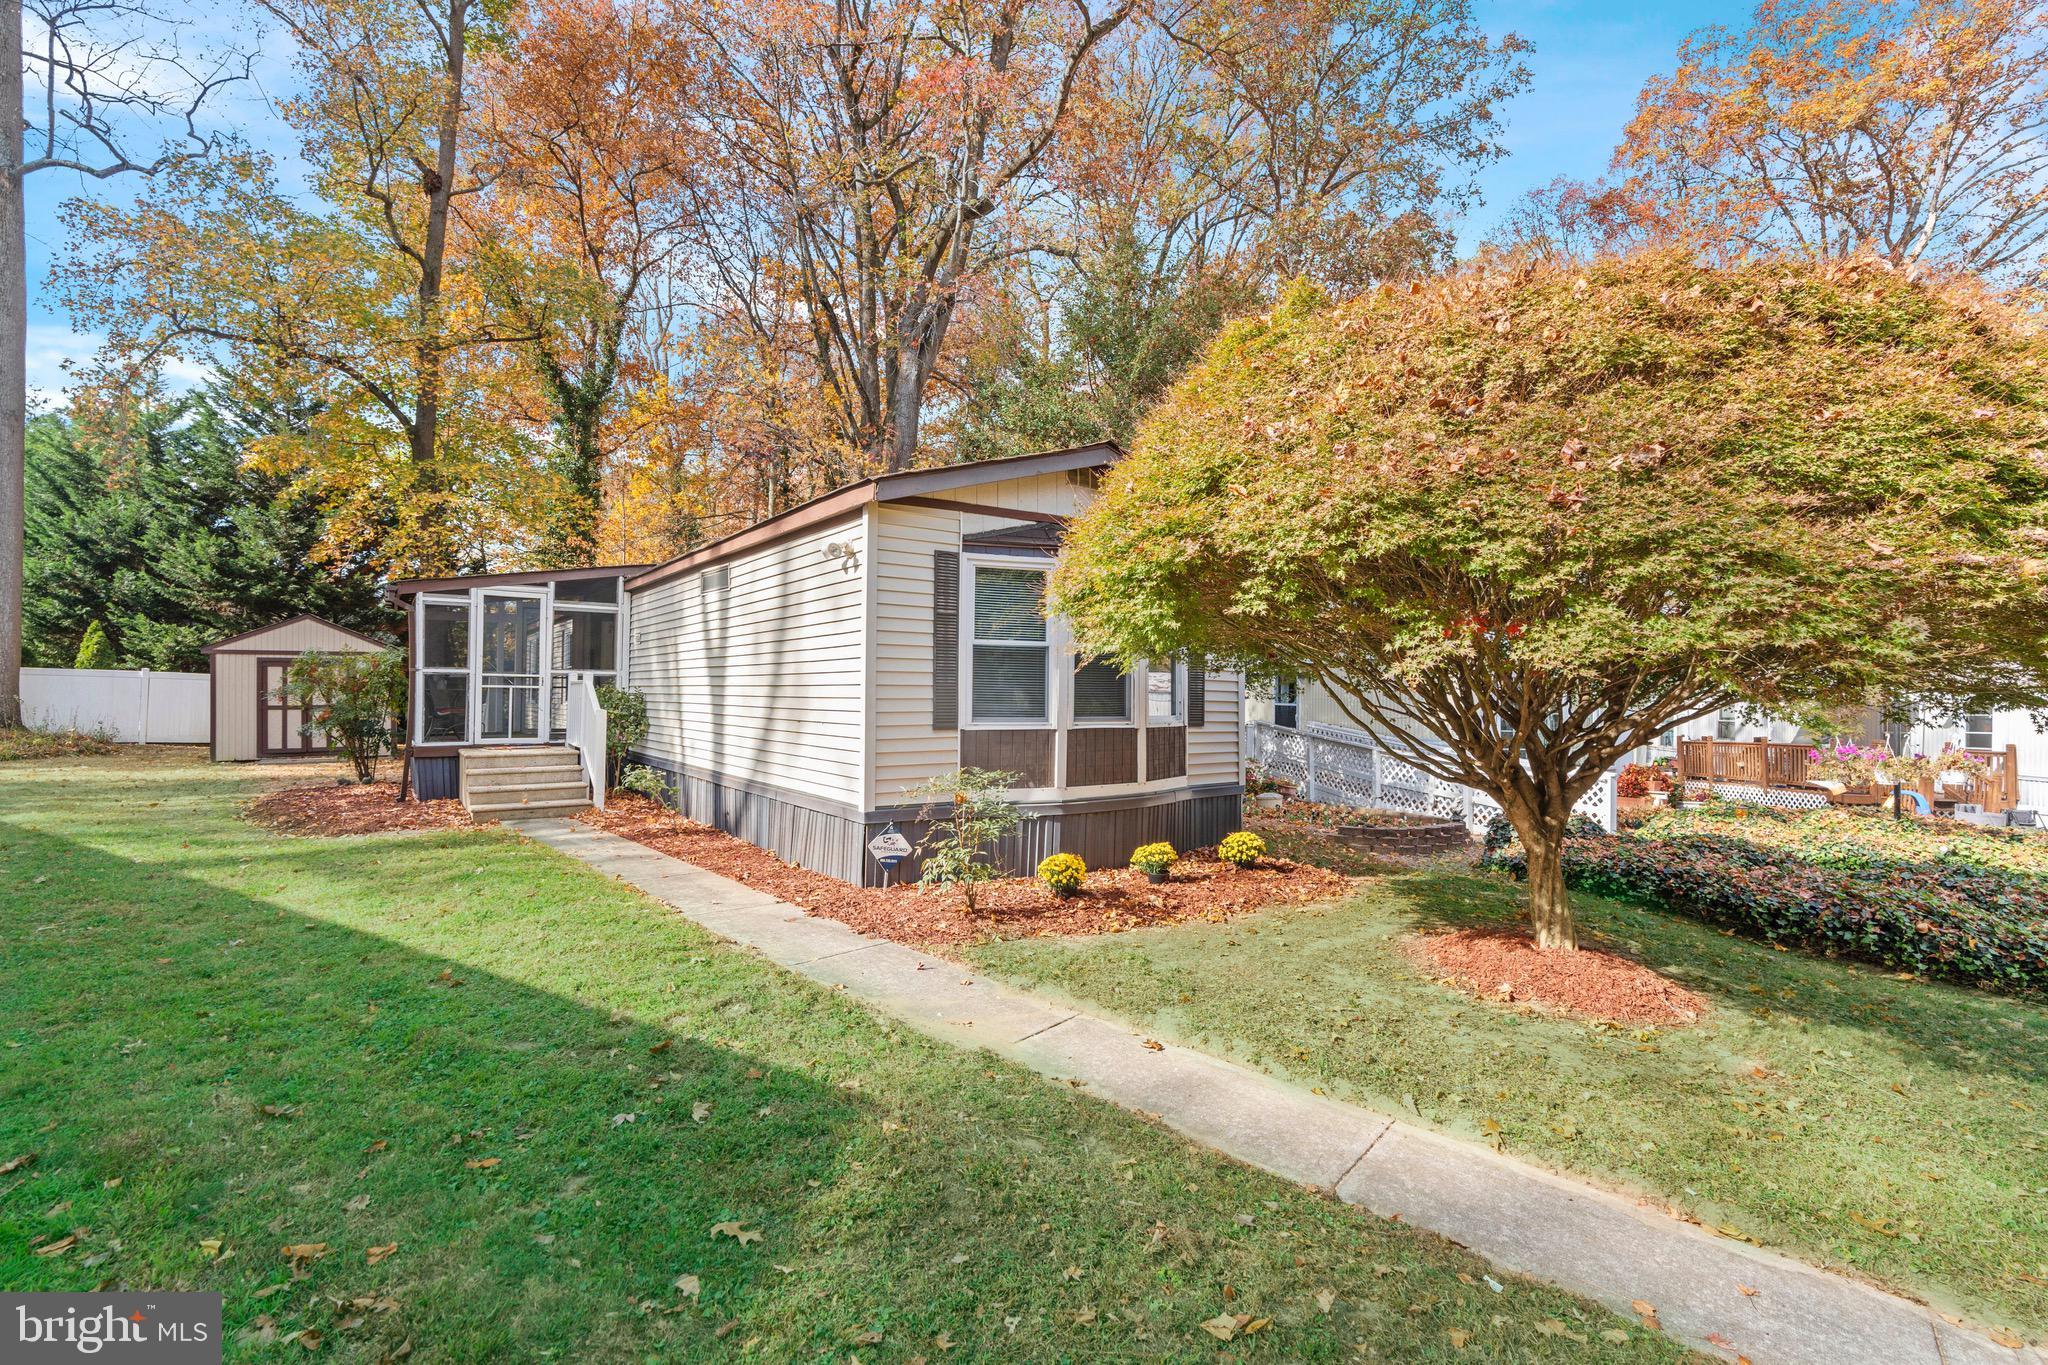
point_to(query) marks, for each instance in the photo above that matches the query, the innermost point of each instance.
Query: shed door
(279, 719)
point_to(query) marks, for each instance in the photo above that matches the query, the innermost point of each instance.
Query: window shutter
(945, 640)
(1198, 694)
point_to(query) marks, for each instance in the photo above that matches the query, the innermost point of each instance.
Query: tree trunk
(1550, 911)
(13, 364)
(439, 184)
(906, 408)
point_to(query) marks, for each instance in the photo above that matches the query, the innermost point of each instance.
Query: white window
(442, 658)
(1728, 725)
(1102, 692)
(1012, 658)
(1287, 702)
(1977, 730)
(1163, 693)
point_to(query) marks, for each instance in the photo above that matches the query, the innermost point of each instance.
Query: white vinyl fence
(1346, 768)
(133, 706)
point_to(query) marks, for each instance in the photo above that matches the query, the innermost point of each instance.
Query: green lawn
(1899, 1128)
(550, 1095)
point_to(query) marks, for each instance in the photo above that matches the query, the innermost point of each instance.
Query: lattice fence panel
(1283, 753)
(1343, 773)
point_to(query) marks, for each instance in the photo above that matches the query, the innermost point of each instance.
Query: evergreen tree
(94, 651)
(179, 543)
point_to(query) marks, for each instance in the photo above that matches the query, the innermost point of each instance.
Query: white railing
(1347, 768)
(585, 727)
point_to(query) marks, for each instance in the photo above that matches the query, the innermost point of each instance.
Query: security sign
(889, 847)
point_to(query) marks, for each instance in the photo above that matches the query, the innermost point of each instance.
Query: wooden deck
(1758, 763)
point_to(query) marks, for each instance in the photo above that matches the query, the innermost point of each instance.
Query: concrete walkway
(1523, 1219)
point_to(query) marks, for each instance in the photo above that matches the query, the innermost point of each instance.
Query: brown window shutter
(945, 640)
(1198, 695)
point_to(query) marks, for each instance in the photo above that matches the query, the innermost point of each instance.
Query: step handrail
(585, 726)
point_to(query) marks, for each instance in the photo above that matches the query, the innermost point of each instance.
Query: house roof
(905, 484)
(406, 587)
(292, 621)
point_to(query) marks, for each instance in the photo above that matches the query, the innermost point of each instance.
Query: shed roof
(259, 631)
(406, 587)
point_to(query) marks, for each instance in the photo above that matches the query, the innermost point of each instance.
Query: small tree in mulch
(356, 700)
(625, 724)
(968, 812)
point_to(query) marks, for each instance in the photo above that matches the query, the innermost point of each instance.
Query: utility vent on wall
(715, 579)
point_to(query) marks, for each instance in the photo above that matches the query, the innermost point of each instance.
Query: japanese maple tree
(1525, 517)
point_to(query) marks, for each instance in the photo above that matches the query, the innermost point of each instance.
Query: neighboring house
(2007, 736)
(805, 676)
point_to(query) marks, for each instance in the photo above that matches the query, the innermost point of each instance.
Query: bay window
(1102, 691)
(1011, 656)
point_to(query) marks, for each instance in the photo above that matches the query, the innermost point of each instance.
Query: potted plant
(1063, 874)
(1154, 860)
(1241, 849)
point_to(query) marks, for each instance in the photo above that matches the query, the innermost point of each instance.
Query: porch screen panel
(443, 671)
(510, 663)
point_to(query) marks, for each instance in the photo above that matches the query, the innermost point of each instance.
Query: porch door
(280, 717)
(510, 666)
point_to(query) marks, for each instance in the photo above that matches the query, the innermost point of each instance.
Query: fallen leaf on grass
(113, 1184)
(944, 1341)
(379, 1145)
(1326, 1299)
(1459, 1337)
(309, 1338)
(357, 1204)
(13, 1164)
(1072, 1272)
(481, 1163)
(1647, 1311)
(209, 1247)
(734, 1230)
(280, 1111)
(58, 1247)
(376, 1254)
(701, 1110)
(1615, 1335)
(1223, 1327)
(868, 1338)
(663, 1046)
(268, 1290)
(688, 1286)
(303, 1251)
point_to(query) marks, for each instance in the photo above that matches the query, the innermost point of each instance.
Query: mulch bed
(1201, 888)
(1510, 968)
(328, 809)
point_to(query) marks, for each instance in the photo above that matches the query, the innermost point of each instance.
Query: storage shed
(249, 719)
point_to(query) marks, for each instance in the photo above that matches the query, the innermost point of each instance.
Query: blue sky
(1591, 58)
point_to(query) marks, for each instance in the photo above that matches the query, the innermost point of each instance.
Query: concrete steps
(522, 781)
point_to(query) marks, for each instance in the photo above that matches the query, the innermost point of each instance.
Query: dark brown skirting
(833, 840)
(1027, 753)
(436, 778)
(1100, 755)
(1166, 752)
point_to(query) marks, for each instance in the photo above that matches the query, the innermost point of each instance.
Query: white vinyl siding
(761, 680)
(1213, 752)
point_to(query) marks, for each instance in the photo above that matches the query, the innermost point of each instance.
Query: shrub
(95, 650)
(356, 700)
(1942, 917)
(967, 811)
(1633, 781)
(1063, 873)
(647, 781)
(1498, 847)
(625, 724)
(1257, 780)
(1241, 849)
(1154, 858)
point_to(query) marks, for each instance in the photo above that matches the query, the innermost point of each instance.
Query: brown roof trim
(408, 586)
(902, 486)
(831, 507)
(220, 646)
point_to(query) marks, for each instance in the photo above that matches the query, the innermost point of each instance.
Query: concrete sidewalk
(1523, 1219)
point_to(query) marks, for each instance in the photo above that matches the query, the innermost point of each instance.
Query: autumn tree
(354, 295)
(1521, 520)
(878, 147)
(1916, 131)
(589, 132)
(100, 89)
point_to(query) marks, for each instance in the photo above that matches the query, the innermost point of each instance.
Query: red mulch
(1509, 967)
(1201, 888)
(329, 809)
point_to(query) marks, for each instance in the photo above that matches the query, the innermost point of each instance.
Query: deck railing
(1761, 763)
